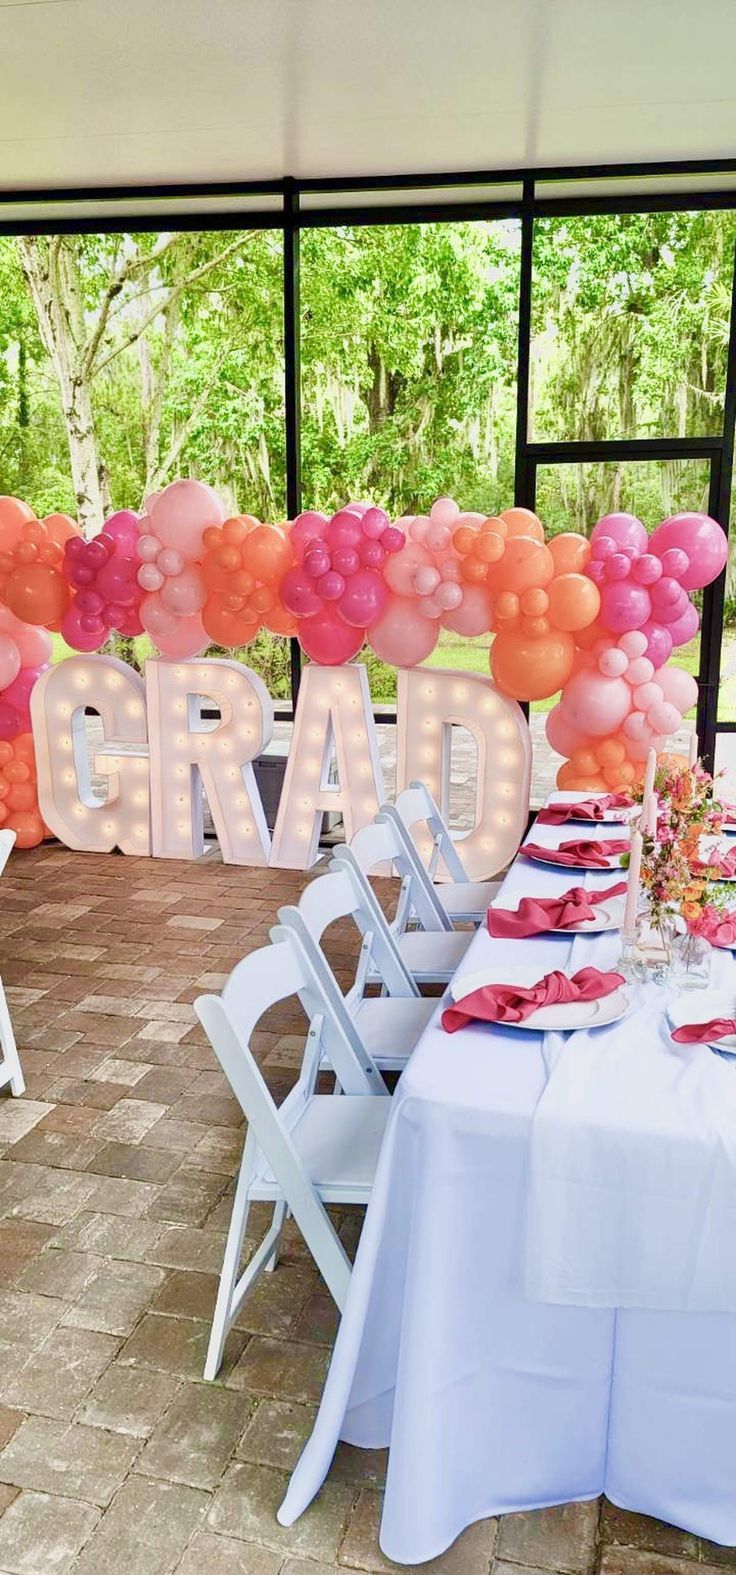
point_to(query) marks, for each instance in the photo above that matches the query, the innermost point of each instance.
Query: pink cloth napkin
(585, 854)
(534, 915)
(584, 809)
(717, 864)
(722, 932)
(703, 1033)
(512, 1003)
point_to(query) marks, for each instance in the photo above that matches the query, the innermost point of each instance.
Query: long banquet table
(543, 1302)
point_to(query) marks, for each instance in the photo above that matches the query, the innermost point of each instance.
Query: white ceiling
(108, 91)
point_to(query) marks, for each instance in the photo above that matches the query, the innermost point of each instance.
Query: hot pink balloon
(307, 528)
(594, 704)
(343, 530)
(659, 642)
(299, 594)
(18, 694)
(685, 628)
(624, 529)
(83, 631)
(647, 569)
(364, 599)
(624, 605)
(403, 637)
(182, 512)
(124, 527)
(326, 638)
(702, 539)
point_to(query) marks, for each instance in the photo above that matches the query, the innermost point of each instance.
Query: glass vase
(648, 956)
(691, 960)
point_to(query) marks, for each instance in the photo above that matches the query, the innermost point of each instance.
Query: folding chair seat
(462, 900)
(311, 1151)
(393, 1021)
(431, 952)
(10, 1067)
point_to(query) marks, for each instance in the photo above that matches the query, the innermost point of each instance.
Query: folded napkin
(512, 1003)
(721, 932)
(584, 809)
(703, 1033)
(588, 855)
(717, 865)
(534, 915)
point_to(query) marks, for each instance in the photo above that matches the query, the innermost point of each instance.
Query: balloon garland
(596, 620)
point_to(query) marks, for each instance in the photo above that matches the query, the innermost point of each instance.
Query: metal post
(292, 383)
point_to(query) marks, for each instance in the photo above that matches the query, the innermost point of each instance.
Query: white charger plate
(563, 1018)
(614, 863)
(701, 1007)
(608, 916)
(611, 817)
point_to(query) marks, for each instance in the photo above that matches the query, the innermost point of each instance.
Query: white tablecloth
(477, 1341)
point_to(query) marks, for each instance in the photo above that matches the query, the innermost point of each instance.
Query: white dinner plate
(614, 863)
(689, 1008)
(562, 1018)
(611, 817)
(608, 916)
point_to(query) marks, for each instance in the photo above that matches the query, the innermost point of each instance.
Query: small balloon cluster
(337, 588)
(620, 699)
(104, 574)
(242, 565)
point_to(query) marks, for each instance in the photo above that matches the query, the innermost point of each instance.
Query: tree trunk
(51, 272)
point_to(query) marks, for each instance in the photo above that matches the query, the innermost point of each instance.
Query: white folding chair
(387, 1027)
(10, 1068)
(432, 952)
(461, 899)
(312, 1150)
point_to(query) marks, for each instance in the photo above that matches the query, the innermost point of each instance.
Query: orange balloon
(570, 551)
(573, 781)
(584, 761)
(586, 638)
(266, 553)
(489, 546)
(574, 601)
(61, 528)
(225, 626)
(28, 827)
(611, 752)
(522, 522)
(13, 516)
(535, 602)
(37, 593)
(525, 563)
(529, 668)
(464, 538)
(280, 621)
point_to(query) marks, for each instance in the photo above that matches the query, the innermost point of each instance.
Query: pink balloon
(185, 593)
(308, 527)
(402, 637)
(18, 694)
(672, 607)
(426, 579)
(638, 748)
(636, 727)
(624, 605)
(641, 670)
(634, 643)
(613, 662)
(188, 638)
(624, 529)
(659, 642)
(594, 704)
(83, 631)
(298, 593)
(157, 619)
(343, 530)
(647, 695)
(401, 568)
(330, 586)
(677, 686)
(316, 560)
(124, 528)
(326, 638)
(444, 511)
(9, 660)
(664, 717)
(374, 523)
(701, 538)
(448, 595)
(364, 599)
(10, 723)
(150, 577)
(685, 628)
(473, 616)
(392, 539)
(344, 559)
(675, 562)
(182, 512)
(372, 553)
(618, 566)
(560, 735)
(170, 561)
(33, 643)
(149, 548)
(647, 569)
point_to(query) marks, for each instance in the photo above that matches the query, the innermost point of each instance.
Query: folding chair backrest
(380, 842)
(415, 804)
(339, 895)
(7, 839)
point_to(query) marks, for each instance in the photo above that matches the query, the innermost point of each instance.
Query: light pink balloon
(157, 619)
(426, 580)
(400, 569)
(402, 637)
(438, 536)
(664, 717)
(9, 660)
(636, 727)
(677, 686)
(560, 735)
(594, 704)
(634, 643)
(33, 643)
(182, 511)
(641, 670)
(189, 638)
(150, 577)
(448, 595)
(647, 695)
(444, 511)
(185, 593)
(613, 662)
(638, 748)
(149, 548)
(473, 616)
(170, 561)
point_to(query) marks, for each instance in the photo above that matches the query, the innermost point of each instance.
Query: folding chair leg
(224, 1306)
(10, 1070)
(279, 1215)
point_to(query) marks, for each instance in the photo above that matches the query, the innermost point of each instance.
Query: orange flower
(690, 910)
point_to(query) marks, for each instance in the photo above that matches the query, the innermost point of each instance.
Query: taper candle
(650, 820)
(649, 773)
(692, 754)
(632, 888)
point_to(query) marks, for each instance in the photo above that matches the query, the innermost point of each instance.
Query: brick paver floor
(115, 1180)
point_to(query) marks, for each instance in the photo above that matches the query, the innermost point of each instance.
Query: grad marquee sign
(160, 752)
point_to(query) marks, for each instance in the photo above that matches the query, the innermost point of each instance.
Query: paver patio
(115, 1180)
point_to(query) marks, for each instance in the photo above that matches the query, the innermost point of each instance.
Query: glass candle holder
(691, 961)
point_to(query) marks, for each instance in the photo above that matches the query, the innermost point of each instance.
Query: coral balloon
(529, 668)
(522, 522)
(13, 516)
(403, 637)
(266, 553)
(574, 601)
(571, 552)
(37, 593)
(326, 638)
(19, 810)
(525, 563)
(226, 625)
